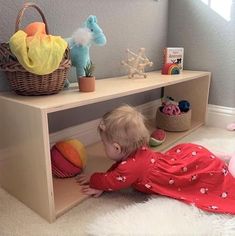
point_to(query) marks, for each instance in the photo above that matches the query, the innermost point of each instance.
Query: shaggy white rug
(162, 216)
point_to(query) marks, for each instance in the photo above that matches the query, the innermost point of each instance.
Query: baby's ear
(117, 147)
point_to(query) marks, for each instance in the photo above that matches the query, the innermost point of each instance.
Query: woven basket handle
(21, 13)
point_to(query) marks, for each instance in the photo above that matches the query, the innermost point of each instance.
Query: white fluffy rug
(126, 213)
(162, 216)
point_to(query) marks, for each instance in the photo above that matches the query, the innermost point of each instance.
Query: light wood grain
(105, 89)
(25, 167)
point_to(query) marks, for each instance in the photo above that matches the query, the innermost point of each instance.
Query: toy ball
(171, 109)
(170, 69)
(68, 158)
(184, 106)
(157, 138)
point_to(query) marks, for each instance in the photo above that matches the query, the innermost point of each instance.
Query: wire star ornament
(136, 63)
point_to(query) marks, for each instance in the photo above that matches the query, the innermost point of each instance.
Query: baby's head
(124, 130)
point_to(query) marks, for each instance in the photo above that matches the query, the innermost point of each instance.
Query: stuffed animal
(81, 41)
(68, 158)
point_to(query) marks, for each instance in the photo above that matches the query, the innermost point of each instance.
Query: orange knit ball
(68, 158)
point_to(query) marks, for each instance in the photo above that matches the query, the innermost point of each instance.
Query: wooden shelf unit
(25, 167)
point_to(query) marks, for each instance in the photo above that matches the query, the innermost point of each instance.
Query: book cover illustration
(174, 55)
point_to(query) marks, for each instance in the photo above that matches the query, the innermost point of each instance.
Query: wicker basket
(175, 123)
(23, 82)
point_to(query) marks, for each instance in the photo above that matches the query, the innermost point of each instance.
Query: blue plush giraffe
(81, 41)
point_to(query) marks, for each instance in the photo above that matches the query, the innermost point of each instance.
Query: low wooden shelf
(25, 167)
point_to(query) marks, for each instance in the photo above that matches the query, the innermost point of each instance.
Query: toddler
(187, 172)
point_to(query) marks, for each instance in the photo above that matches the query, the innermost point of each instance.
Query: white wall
(126, 23)
(209, 42)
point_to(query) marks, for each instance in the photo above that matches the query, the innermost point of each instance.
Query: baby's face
(111, 150)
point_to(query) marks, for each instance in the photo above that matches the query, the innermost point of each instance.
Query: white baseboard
(87, 132)
(219, 116)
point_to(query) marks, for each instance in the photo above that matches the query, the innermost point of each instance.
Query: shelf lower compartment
(25, 138)
(67, 192)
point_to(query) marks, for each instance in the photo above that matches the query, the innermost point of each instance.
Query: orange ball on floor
(68, 158)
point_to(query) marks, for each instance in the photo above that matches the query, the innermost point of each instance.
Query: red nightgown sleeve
(123, 176)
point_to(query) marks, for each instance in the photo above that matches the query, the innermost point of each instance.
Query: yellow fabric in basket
(38, 54)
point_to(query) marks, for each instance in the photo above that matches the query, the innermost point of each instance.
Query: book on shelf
(174, 55)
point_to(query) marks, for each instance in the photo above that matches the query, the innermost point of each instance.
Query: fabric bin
(181, 122)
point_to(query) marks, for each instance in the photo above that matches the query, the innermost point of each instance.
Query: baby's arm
(119, 176)
(84, 180)
(123, 176)
(86, 189)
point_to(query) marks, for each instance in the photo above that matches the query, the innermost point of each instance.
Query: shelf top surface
(105, 89)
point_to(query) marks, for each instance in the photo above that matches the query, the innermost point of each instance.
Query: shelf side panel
(25, 169)
(196, 91)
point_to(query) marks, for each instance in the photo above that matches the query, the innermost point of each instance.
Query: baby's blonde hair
(125, 126)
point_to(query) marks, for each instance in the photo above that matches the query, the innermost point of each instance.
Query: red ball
(61, 167)
(157, 137)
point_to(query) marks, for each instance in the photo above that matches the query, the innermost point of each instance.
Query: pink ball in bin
(171, 109)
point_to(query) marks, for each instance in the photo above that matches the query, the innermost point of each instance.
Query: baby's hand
(82, 179)
(86, 189)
